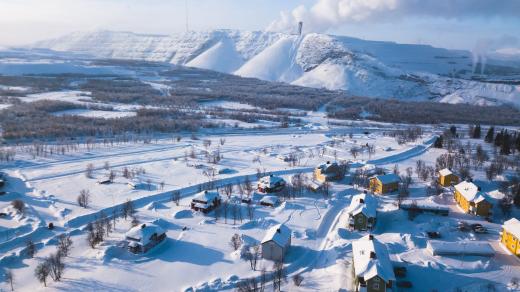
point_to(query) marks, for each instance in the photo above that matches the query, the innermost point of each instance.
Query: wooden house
(143, 237)
(362, 212)
(383, 184)
(372, 266)
(328, 172)
(472, 201)
(511, 235)
(271, 184)
(206, 201)
(276, 242)
(447, 178)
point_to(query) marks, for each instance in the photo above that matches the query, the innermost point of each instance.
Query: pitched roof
(513, 226)
(206, 196)
(143, 232)
(367, 267)
(470, 191)
(270, 181)
(328, 167)
(368, 207)
(280, 234)
(445, 172)
(388, 178)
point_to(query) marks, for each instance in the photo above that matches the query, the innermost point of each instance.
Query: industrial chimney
(300, 27)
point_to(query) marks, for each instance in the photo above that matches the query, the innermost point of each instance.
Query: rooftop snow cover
(143, 232)
(269, 181)
(206, 196)
(470, 191)
(475, 248)
(445, 172)
(513, 226)
(272, 200)
(280, 234)
(388, 178)
(329, 168)
(367, 207)
(368, 267)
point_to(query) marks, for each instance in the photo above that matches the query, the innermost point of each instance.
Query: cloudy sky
(466, 24)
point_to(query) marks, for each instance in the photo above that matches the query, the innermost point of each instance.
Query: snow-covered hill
(368, 68)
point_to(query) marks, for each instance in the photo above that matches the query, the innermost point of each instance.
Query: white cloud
(328, 14)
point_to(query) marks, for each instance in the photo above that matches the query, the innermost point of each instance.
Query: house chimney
(479, 188)
(271, 175)
(143, 226)
(361, 201)
(328, 162)
(278, 230)
(373, 255)
(370, 237)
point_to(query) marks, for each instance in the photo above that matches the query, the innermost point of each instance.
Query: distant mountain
(360, 67)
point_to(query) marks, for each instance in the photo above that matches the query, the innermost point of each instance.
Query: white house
(372, 265)
(143, 237)
(276, 242)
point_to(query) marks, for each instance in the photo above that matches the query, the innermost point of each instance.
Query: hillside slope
(360, 67)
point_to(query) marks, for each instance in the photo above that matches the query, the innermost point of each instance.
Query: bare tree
(234, 213)
(30, 248)
(225, 207)
(112, 176)
(252, 254)
(42, 271)
(89, 171)
(176, 197)
(228, 190)
(222, 141)
(248, 285)
(236, 241)
(250, 212)
(162, 185)
(278, 275)
(128, 208)
(9, 278)
(56, 266)
(297, 280)
(64, 245)
(106, 166)
(84, 198)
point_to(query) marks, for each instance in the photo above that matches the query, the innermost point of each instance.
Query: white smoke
(491, 47)
(327, 14)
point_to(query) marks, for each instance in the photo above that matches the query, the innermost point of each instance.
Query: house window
(375, 286)
(360, 219)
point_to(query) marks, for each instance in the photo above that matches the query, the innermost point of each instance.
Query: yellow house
(383, 184)
(447, 178)
(328, 172)
(511, 235)
(471, 199)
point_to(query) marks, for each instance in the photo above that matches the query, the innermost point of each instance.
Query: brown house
(470, 199)
(372, 266)
(447, 178)
(328, 172)
(205, 201)
(383, 184)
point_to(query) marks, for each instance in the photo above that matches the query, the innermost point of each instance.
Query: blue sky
(451, 24)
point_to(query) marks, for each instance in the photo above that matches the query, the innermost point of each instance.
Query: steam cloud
(327, 14)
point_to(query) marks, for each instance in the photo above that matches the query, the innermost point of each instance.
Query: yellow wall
(448, 180)
(510, 242)
(482, 208)
(377, 187)
(318, 175)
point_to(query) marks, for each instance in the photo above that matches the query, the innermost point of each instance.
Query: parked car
(433, 234)
(478, 228)
(463, 226)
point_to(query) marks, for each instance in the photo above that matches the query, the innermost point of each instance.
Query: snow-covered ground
(197, 253)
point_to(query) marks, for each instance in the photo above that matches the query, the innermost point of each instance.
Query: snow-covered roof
(367, 266)
(513, 226)
(445, 172)
(206, 196)
(328, 167)
(273, 200)
(388, 178)
(363, 203)
(280, 234)
(143, 232)
(470, 191)
(270, 181)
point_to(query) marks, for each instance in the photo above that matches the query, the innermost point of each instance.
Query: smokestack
(300, 27)
(372, 255)
(370, 237)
